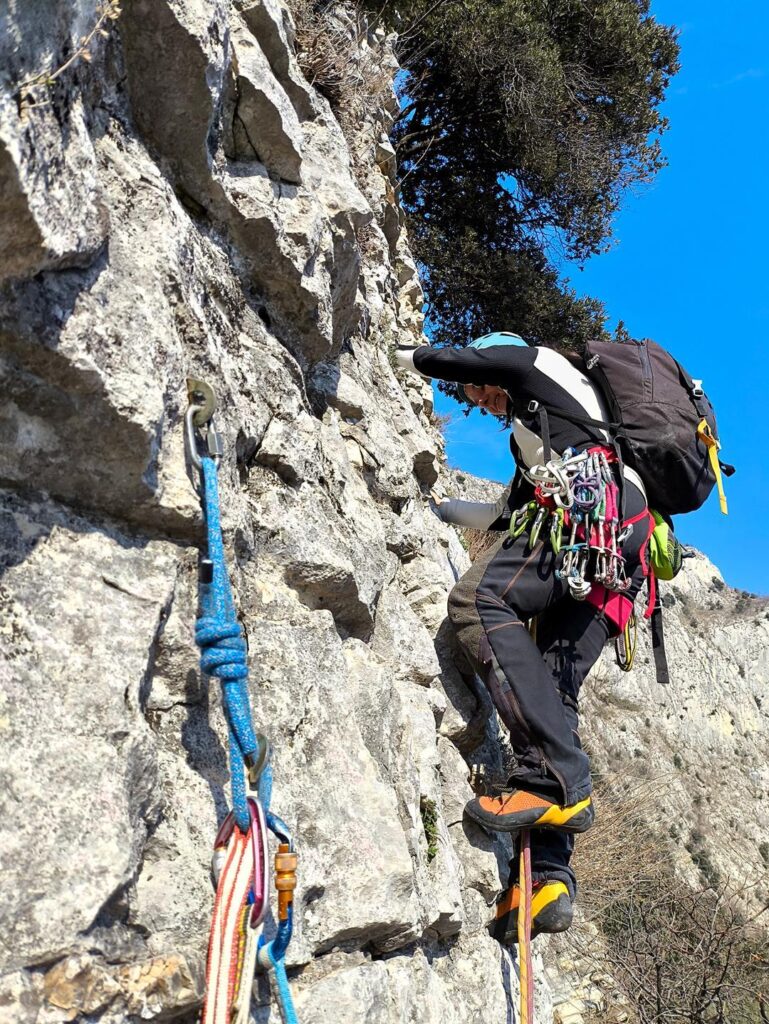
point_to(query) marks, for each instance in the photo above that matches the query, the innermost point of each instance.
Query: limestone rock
(186, 204)
(467, 984)
(83, 607)
(52, 213)
(264, 125)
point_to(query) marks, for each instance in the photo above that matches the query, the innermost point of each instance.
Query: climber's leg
(551, 911)
(489, 608)
(570, 638)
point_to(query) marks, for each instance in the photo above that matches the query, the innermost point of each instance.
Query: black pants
(535, 683)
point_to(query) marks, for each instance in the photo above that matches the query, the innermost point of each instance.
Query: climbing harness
(525, 968)
(240, 863)
(577, 497)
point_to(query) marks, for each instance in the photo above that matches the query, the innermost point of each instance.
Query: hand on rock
(439, 503)
(404, 357)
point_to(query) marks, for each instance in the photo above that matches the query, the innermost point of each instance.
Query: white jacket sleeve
(478, 515)
(404, 357)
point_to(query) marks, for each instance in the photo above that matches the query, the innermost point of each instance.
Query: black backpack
(662, 422)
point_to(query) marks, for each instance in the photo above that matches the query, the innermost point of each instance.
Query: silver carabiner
(256, 761)
(200, 413)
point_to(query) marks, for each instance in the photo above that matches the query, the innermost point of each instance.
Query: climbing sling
(241, 852)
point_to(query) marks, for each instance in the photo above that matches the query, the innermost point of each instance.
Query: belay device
(241, 851)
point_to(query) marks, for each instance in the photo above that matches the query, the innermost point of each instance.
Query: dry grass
(34, 92)
(478, 542)
(625, 844)
(333, 53)
(679, 953)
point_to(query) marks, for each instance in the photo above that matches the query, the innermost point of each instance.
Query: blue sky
(689, 269)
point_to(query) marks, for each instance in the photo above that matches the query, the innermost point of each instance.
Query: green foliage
(701, 858)
(523, 123)
(429, 814)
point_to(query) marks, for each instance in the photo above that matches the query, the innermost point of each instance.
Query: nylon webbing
(658, 642)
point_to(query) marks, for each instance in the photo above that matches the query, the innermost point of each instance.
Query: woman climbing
(576, 526)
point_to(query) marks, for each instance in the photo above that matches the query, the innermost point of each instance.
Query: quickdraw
(578, 493)
(240, 863)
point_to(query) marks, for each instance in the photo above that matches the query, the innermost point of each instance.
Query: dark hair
(509, 415)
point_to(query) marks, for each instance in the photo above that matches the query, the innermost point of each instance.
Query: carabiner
(521, 519)
(261, 852)
(536, 528)
(556, 530)
(255, 761)
(200, 412)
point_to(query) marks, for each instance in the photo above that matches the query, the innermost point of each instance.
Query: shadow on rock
(463, 690)
(205, 753)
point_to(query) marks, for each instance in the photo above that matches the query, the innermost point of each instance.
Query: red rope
(526, 973)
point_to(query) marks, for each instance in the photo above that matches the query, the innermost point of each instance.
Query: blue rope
(281, 984)
(275, 950)
(223, 654)
(265, 788)
(219, 636)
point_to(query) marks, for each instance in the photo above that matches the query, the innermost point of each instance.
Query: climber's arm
(501, 365)
(477, 515)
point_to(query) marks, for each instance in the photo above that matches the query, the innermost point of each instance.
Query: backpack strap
(658, 640)
(609, 426)
(544, 431)
(694, 387)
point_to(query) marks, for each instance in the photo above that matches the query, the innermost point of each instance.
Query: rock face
(181, 202)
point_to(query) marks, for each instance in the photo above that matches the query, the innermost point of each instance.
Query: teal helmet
(499, 338)
(495, 339)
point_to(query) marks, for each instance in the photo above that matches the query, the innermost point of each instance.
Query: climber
(569, 493)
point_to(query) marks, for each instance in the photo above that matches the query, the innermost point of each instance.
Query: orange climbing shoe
(512, 810)
(551, 911)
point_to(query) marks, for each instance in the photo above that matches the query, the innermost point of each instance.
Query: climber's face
(488, 397)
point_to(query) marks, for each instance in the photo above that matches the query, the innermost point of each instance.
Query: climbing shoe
(551, 911)
(512, 810)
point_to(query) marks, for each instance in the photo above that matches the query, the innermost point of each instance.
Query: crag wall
(177, 200)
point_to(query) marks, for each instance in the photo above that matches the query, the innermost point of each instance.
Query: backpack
(662, 422)
(663, 426)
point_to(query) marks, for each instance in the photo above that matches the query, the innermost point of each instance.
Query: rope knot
(223, 648)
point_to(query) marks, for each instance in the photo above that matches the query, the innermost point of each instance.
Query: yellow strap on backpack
(705, 434)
